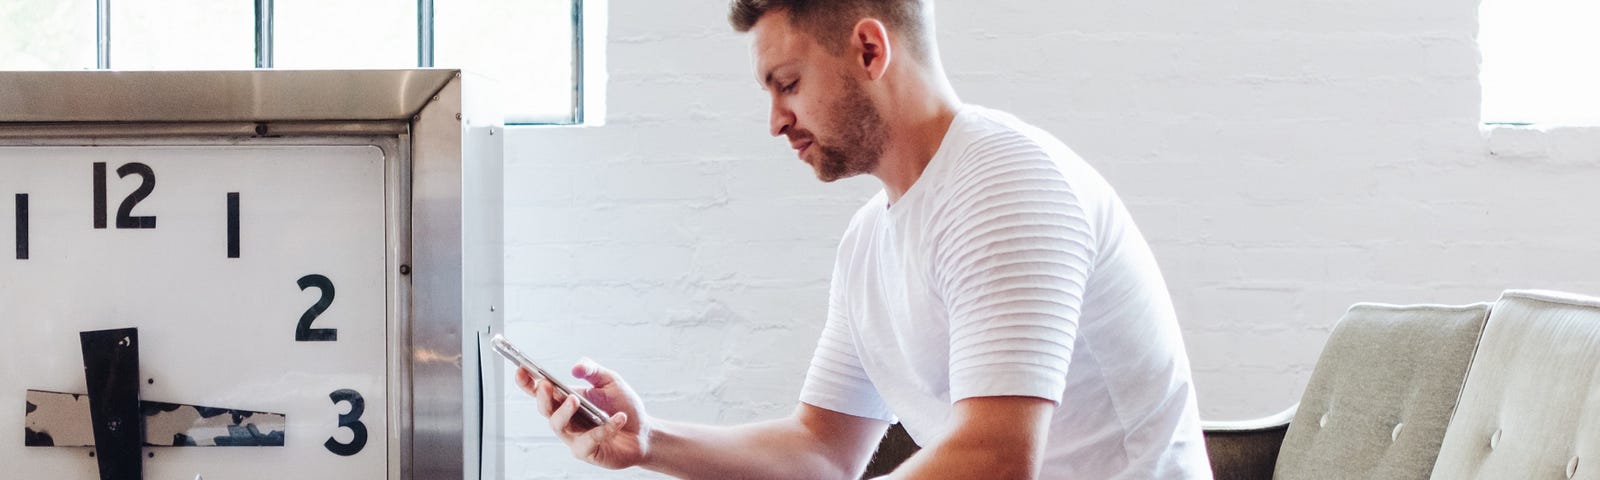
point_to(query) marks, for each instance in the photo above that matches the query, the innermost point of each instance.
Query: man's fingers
(525, 380)
(562, 416)
(594, 395)
(617, 421)
(587, 444)
(593, 373)
(544, 399)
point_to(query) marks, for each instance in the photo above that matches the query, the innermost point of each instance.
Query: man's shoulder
(985, 139)
(987, 149)
(989, 127)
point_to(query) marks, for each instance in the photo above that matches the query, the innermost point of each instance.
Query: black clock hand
(56, 419)
(111, 370)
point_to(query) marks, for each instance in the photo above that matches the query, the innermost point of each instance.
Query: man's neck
(914, 139)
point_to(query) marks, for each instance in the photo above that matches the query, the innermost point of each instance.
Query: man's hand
(621, 443)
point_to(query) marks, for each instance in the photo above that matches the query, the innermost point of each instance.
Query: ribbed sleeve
(1012, 253)
(836, 380)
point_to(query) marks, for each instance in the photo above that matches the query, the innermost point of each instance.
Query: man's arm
(998, 438)
(814, 443)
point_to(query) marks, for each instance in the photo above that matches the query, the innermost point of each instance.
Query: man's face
(819, 100)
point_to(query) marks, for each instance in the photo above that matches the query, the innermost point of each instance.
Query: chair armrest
(1248, 449)
(1280, 419)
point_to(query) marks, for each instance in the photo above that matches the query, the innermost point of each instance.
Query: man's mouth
(800, 147)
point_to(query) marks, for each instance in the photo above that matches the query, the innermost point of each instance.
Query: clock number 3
(125, 218)
(303, 332)
(351, 421)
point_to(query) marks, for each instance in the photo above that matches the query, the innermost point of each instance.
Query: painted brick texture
(1285, 159)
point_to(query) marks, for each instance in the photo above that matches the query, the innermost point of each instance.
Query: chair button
(1572, 467)
(1494, 440)
(1395, 435)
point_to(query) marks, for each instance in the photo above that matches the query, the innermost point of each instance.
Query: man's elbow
(994, 438)
(1013, 465)
(1011, 460)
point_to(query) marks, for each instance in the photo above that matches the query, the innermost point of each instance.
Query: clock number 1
(125, 218)
(351, 421)
(233, 224)
(22, 226)
(303, 332)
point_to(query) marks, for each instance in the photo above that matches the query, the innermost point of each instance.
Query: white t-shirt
(1011, 268)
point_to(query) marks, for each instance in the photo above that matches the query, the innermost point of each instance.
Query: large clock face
(255, 276)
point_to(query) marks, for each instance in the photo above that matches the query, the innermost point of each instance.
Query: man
(996, 297)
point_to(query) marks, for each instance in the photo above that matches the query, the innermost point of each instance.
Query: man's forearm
(775, 449)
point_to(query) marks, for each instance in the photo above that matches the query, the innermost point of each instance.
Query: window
(1538, 65)
(532, 48)
(329, 34)
(47, 35)
(180, 34)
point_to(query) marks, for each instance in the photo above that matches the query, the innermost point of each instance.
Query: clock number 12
(125, 218)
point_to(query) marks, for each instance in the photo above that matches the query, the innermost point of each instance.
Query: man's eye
(790, 87)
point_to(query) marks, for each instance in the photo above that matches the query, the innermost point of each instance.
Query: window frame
(425, 47)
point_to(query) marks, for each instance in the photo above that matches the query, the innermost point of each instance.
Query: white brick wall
(1286, 159)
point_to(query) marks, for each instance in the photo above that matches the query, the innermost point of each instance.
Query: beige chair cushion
(1382, 393)
(1531, 405)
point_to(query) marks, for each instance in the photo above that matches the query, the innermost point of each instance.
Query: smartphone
(588, 415)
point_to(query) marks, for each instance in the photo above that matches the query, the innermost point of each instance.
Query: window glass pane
(46, 35)
(341, 34)
(526, 46)
(182, 34)
(1538, 62)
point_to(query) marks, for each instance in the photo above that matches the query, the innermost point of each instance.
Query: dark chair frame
(1246, 450)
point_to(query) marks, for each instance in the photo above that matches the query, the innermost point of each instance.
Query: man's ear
(871, 40)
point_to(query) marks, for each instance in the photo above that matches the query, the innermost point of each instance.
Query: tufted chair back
(1382, 393)
(1530, 408)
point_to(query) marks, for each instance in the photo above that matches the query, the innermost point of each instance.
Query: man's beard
(860, 136)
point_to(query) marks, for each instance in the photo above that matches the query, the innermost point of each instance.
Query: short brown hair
(829, 20)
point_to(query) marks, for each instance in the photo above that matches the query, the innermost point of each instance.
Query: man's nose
(780, 121)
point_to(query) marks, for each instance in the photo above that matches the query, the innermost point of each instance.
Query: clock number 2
(351, 421)
(303, 332)
(125, 218)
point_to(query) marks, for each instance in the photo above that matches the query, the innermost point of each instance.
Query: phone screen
(588, 415)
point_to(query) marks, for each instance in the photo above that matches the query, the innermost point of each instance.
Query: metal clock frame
(442, 139)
